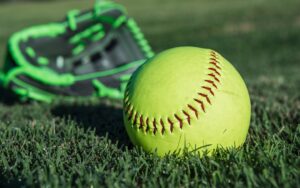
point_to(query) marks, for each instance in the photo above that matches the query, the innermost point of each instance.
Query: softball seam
(142, 122)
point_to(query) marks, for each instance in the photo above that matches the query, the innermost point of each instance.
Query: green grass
(85, 143)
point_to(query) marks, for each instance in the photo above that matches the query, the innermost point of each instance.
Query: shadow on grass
(11, 182)
(7, 97)
(105, 119)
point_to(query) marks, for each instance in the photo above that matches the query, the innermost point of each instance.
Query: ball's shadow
(105, 119)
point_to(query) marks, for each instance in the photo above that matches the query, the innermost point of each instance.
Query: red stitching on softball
(206, 96)
(147, 124)
(163, 126)
(171, 125)
(214, 59)
(212, 83)
(141, 122)
(135, 119)
(209, 89)
(215, 71)
(215, 64)
(194, 110)
(201, 104)
(129, 108)
(154, 126)
(188, 116)
(179, 120)
(214, 76)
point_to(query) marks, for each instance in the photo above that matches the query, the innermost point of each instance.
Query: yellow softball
(186, 97)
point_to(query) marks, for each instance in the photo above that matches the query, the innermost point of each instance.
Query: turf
(84, 144)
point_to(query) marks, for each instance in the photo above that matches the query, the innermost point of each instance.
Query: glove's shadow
(7, 97)
(106, 120)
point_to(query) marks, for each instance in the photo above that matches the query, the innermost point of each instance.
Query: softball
(186, 98)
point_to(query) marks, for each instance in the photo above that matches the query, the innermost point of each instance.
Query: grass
(84, 144)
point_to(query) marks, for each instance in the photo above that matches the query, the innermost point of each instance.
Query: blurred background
(260, 37)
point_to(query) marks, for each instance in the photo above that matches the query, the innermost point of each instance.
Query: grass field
(84, 144)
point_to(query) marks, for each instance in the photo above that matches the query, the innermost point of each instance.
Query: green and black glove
(91, 53)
